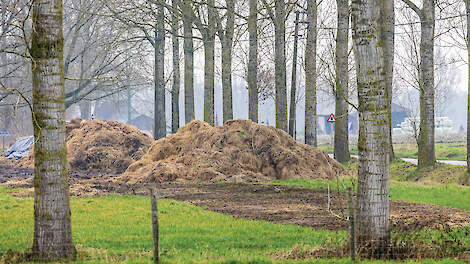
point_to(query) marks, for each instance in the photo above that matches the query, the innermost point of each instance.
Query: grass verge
(444, 151)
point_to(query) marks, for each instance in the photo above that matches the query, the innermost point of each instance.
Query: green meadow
(116, 228)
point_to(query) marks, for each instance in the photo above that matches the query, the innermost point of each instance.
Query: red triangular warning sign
(331, 119)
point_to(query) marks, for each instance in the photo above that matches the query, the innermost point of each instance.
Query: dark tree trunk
(52, 218)
(311, 76)
(175, 91)
(209, 46)
(253, 61)
(467, 6)
(188, 62)
(388, 38)
(280, 65)
(341, 140)
(227, 43)
(159, 110)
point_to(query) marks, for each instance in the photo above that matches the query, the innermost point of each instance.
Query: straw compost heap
(238, 151)
(100, 145)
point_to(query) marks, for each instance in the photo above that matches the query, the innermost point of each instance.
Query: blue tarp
(20, 149)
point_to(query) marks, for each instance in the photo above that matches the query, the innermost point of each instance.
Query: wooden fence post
(352, 235)
(154, 204)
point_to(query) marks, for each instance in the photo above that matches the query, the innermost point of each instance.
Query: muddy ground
(280, 204)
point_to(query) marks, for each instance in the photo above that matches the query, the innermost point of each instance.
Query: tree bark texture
(188, 46)
(467, 6)
(227, 44)
(209, 47)
(253, 61)
(341, 140)
(388, 39)
(373, 170)
(311, 76)
(52, 217)
(175, 91)
(159, 107)
(294, 79)
(280, 65)
(426, 150)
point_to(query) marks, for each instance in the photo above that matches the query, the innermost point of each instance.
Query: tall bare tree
(373, 169)
(252, 73)
(311, 75)
(208, 30)
(52, 218)
(188, 46)
(159, 106)
(175, 91)
(278, 17)
(467, 8)
(280, 64)
(226, 41)
(341, 140)
(388, 39)
(426, 149)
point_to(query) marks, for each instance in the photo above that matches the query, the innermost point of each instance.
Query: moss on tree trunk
(52, 218)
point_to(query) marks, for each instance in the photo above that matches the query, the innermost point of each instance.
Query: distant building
(442, 125)
(399, 114)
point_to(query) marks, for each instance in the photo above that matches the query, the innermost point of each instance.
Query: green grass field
(444, 151)
(116, 229)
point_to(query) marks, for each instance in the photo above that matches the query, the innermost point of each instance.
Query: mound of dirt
(100, 145)
(238, 151)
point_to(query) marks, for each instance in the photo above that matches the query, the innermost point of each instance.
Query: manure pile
(100, 145)
(238, 151)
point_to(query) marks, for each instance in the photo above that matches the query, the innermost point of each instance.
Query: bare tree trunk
(188, 62)
(209, 81)
(175, 91)
(280, 65)
(227, 43)
(388, 38)
(341, 140)
(311, 76)
(52, 218)
(426, 151)
(253, 61)
(294, 79)
(159, 110)
(209, 46)
(467, 6)
(373, 169)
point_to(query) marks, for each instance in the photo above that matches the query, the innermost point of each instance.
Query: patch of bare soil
(100, 145)
(280, 204)
(238, 151)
